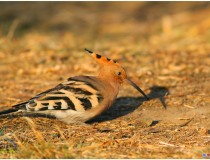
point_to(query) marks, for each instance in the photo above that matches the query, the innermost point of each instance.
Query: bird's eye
(119, 73)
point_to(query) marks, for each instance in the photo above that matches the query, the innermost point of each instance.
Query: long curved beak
(139, 89)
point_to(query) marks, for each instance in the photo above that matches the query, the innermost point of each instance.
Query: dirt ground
(165, 49)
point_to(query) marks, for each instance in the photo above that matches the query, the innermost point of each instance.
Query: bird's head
(113, 71)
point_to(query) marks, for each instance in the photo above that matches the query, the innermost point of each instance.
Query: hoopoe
(80, 98)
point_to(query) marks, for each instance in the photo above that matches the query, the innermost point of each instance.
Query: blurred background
(116, 21)
(44, 41)
(158, 38)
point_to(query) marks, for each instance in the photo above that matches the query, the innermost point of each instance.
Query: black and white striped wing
(77, 93)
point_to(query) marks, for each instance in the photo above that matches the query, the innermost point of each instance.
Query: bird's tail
(19, 110)
(14, 108)
(8, 111)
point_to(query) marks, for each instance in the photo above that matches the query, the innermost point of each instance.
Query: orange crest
(112, 71)
(101, 59)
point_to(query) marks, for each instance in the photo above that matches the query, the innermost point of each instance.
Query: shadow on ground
(126, 105)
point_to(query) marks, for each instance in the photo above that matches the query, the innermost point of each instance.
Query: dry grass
(164, 46)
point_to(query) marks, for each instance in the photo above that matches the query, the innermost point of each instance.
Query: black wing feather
(67, 95)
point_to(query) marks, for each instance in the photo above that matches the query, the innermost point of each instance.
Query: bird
(79, 98)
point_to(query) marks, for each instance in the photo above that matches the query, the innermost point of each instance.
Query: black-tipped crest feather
(89, 51)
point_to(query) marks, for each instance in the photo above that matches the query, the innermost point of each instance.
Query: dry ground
(165, 48)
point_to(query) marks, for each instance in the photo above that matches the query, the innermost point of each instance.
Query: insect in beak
(139, 89)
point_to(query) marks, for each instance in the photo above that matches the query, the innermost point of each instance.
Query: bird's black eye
(119, 73)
